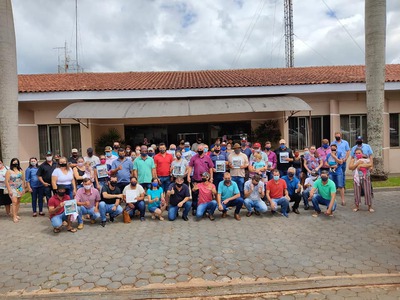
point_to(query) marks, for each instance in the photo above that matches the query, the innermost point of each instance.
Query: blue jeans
(165, 182)
(173, 210)
(140, 206)
(240, 183)
(258, 205)
(218, 177)
(48, 192)
(337, 178)
(107, 208)
(344, 165)
(89, 211)
(57, 220)
(317, 200)
(69, 191)
(37, 198)
(206, 207)
(306, 194)
(283, 202)
(238, 203)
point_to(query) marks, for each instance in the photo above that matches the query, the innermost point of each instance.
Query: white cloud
(147, 35)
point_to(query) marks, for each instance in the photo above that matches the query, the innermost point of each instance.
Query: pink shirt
(81, 196)
(205, 192)
(200, 165)
(322, 155)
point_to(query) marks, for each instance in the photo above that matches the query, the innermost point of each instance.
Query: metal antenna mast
(289, 44)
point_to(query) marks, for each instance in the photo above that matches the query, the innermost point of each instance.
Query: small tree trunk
(375, 40)
(8, 84)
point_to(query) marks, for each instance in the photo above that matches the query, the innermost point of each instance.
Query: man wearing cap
(109, 156)
(326, 194)
(73, 159)
(178, 196)
(257, 149)
(57, 212)
(254, 191)
(272, 162)
(365, 148)
(144, 168)
(284, 157)
(344, 148)
(229, 196)
(220, 159)
(93, 159)
(294, 188)
(199, 164)
(44, 173)
(238, 162)
(122, 168)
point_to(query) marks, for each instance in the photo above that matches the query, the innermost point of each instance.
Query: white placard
(131, 196)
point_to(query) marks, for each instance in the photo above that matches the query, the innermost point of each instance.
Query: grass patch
(391, 182)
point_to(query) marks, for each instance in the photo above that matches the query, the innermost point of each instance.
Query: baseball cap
(49, 152)
(108, 148)
(187, 144)
(360, 138)
(223, 143)
(74, 150)
(257, 145)
(90, 150)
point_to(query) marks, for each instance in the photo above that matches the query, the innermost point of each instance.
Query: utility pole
(289, 44)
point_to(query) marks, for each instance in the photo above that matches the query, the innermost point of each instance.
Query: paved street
(266, 254)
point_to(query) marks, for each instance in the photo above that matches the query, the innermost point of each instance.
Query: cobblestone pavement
(121, 257)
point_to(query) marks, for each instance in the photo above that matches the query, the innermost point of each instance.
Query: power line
(313, 49)
(249, 31)
(344, 27)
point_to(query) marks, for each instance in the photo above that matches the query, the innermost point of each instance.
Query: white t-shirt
(63, 179)
(94, 160)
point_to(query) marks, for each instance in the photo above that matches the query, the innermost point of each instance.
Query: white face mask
(33, 163)
(87, 187)
(49, 158)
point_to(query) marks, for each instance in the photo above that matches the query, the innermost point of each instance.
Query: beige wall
(332, 104)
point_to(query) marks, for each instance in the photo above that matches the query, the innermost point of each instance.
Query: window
(60, 139)
(299, 133)
(394, 130)
(352, 126)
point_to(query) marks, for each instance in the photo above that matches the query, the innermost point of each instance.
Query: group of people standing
(198, 178)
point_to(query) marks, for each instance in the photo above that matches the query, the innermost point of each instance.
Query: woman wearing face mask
(156, 200)
(35, 187)
(15, 183)
(361, 179)
(4, 198)
(64, 175)
(312, 162)
(102, 173)
(229, 148)
(179, 166)
(80, 172)
(206, 201)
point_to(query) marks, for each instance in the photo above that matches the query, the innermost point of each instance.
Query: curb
(213, 289)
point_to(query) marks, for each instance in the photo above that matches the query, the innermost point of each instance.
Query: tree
(375, 40)
(8, 84)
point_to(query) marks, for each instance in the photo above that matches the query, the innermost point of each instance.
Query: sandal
(34, 215)
(42, 214)
(371, 210)
(15, 220)
(161, 218)
(56, 230)
(71, 229)
(356, 209)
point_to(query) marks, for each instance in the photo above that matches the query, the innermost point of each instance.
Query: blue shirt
(292, 185)
(343, 146)
(123, 175)
(31, 177)
(227, 191)
(331, 161)
(246, 151)
(365, 148)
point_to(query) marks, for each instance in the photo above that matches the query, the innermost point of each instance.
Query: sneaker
(296, 211)
(224, 214)
(249, 214)
(237, 217)
(211, 217)
(193, 212)
(142, 219)
(103, 223)
(316, 214)
(256, 212)
(185, 218)
(285, 214)
(80, 226)
(111, 218)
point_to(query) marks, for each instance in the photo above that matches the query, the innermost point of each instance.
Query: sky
(183, 35)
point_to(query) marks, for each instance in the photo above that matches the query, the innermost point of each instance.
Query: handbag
(126, 216)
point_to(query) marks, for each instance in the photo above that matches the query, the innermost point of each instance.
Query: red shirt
(205, 192)
(276, 188)
(163, 164)
(55, 201)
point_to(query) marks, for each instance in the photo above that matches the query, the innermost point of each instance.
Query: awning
(180, 108)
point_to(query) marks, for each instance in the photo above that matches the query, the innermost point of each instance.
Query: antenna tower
(289, 44)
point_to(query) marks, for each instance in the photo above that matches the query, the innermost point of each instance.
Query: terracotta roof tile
(198, 79)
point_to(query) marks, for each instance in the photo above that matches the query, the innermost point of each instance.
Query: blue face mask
(276, 177)
(151, 154)
(187, 149)
(283, 146)
(108, 154)
(223, 148)
(155, 184)
(325, 146)
(205, 150)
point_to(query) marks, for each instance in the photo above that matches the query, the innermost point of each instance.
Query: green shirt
(144, 168)
(325, 190)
